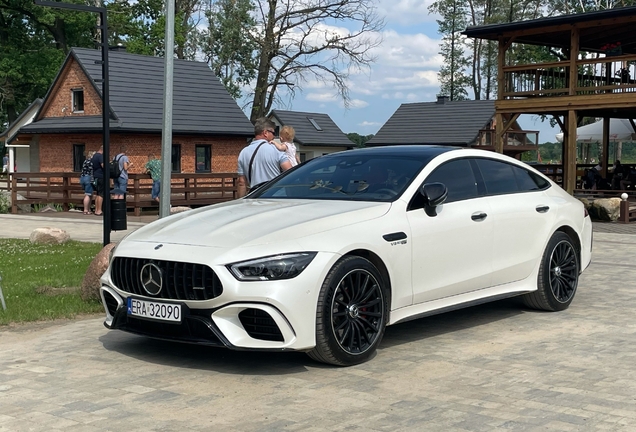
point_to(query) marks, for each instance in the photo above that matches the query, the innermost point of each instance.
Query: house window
(78, 100)
(176, 158)
(78, 157)
(203, 158)
(303, 157)
(277, 131)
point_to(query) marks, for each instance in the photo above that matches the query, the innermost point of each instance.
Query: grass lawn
(41, 282)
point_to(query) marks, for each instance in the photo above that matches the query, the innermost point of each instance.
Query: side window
(459, 179)
(499, 177)
(528, 181)
(203, 155)
(78, 156)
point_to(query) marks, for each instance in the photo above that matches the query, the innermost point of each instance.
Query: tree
(453, 73)
(33, 43)
(295, 44)
(141, 26)
(359, 140)
(228, 44)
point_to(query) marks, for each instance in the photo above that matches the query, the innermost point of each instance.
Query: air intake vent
(260, 325)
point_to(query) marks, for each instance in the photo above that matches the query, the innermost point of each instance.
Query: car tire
(558, 276)
(352, 312)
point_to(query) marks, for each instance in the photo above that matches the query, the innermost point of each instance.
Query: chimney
(119, 48)
(442, 99)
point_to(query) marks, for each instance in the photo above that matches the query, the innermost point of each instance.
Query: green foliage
(227, 43)
(5, 203)
(359, 140)
(33, 43)
(453, 73)
(40, 282)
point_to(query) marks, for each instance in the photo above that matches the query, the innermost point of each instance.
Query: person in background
(153, 167)
(120, 183)
(287, 145)
(87, 181)
(98, 175)
(5, 164)
(260, 161)
(617, 175)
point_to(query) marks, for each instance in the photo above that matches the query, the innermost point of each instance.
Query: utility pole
(105, 98)
(166, 133)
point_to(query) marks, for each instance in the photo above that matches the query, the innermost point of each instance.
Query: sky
(405, 71)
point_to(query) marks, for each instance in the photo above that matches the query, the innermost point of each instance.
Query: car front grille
(180, 281)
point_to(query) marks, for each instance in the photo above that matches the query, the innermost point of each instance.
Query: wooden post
(14, 193)
(574, 55)
(569, 154)
(605, 155)
(501, 89)
(624, 211)
(66, 183)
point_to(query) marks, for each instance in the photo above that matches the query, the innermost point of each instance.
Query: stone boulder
(49, 236)
(605, 209)
(586, 203)
(178, 209)
(89, 290)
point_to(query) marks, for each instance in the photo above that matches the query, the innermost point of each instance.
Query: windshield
(352, 176)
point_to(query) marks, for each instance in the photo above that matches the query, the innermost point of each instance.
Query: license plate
(154, 310)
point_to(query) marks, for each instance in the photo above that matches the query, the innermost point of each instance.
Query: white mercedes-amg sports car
(324, 257)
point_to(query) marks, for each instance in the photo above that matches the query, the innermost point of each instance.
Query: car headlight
(276, 267)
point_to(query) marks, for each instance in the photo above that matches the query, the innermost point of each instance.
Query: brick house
(209, 128)
(316, 133)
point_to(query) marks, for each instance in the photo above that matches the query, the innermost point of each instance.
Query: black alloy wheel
(564, 271)
(357, 311)
(352, 313)
(558, 275)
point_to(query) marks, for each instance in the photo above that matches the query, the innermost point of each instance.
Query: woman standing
(86, 180)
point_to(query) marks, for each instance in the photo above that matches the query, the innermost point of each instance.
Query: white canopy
(620, 130)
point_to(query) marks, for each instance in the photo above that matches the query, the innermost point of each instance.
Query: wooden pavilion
(595, 76)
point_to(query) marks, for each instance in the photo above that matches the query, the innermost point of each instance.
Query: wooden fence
(64, 189)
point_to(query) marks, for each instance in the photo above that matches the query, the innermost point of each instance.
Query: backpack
(115, 170)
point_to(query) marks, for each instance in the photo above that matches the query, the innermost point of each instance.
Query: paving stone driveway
(497, 367)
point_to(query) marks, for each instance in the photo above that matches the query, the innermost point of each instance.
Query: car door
(522, 214)
(452, 251)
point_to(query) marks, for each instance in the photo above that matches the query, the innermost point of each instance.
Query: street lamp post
(105, 98)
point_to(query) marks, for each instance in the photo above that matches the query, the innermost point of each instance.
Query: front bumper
(267, 315)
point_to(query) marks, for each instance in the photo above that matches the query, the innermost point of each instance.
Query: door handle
(478, 216)
(542, 209)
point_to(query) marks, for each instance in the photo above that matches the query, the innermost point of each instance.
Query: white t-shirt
(291, 153)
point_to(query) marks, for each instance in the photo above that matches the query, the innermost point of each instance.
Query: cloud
(406, 12)
(322, 97)
(356, 104)
(369, 124)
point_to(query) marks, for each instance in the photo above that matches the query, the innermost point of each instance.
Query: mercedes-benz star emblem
(151, 278)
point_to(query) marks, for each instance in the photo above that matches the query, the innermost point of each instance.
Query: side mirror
(434, 195)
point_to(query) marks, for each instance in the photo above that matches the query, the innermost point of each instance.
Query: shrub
(5, 204)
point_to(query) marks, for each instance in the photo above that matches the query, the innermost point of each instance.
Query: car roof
(416, 151)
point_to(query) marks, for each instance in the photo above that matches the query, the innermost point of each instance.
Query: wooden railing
(595, 76)
(64, 189)
(517, 139)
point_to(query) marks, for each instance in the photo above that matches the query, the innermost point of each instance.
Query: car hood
(249, 222)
